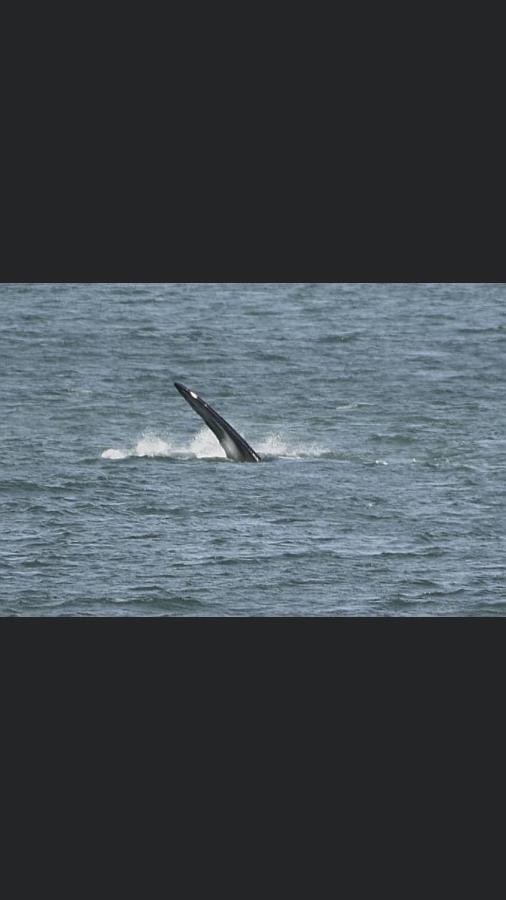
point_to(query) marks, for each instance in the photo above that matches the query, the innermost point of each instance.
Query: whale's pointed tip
(186, 392)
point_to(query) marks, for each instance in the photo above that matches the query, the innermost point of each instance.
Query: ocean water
(379, 410)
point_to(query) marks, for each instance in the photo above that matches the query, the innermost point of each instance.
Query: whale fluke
(233, 444)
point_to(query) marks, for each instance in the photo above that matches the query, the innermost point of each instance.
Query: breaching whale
(233, 444)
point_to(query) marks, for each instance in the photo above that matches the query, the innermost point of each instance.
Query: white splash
(152, 446)
(115, 454)
(205, 446)
(276, 446)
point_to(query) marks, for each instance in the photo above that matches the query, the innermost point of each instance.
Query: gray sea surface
(379, 410)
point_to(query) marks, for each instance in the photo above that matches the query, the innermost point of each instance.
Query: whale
(233, 444)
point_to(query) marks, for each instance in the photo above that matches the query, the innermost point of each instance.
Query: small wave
(344, 338)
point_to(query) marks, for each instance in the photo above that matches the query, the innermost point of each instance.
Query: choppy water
(379, 409)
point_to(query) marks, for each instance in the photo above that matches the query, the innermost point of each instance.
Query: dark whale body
(233, 444)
